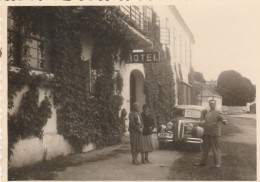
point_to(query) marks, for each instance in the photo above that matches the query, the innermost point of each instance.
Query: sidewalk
(120, 167)
(110, 163)
(46, 170)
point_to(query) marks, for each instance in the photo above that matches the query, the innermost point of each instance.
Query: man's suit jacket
(212, 123)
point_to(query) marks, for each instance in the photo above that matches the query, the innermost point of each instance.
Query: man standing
(212, 133)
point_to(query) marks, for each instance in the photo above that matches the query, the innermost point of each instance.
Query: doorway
(137, 88)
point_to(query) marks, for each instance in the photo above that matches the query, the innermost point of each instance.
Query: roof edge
(182, 22)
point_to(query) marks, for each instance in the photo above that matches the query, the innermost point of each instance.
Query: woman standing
(148, 144)
(135, 130)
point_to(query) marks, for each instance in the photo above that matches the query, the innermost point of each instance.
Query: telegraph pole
(201, 93)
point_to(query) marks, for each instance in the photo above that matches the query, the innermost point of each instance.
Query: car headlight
(169, 125)
(199, 131)
(189, 126)
(163, 126)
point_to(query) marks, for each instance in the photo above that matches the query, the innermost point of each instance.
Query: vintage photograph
(133, 92)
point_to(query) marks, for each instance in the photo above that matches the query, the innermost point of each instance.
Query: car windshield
(187, 113)
(177, 112)
(192, 113)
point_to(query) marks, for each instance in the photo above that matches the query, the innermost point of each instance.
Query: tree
(235, 89)
(250, 95)
(198, 77)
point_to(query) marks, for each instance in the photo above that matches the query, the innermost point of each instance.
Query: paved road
(246, 123)
(114, 163)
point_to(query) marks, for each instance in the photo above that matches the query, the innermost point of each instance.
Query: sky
(227, 36)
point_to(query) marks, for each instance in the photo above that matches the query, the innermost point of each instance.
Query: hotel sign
(144, 57)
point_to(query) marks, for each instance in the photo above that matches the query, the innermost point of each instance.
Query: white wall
(179, 37)
(32, 149)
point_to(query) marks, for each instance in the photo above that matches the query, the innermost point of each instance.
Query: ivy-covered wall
(82, 118)
(159, 86)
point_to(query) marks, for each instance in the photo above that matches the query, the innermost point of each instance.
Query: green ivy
(81, 118)
(159, 86)
(30, 118)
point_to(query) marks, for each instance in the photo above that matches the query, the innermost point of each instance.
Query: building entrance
(137, 88)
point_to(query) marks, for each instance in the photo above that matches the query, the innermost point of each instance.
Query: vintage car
(183, 127)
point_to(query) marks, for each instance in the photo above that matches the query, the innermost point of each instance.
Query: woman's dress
(135, 130)
(148, 143)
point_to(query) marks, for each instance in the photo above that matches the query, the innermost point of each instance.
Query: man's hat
(212, 100)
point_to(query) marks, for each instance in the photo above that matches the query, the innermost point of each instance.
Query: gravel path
(121, 168)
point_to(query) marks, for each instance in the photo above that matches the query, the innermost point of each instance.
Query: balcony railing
(147, 22)
(137, 18)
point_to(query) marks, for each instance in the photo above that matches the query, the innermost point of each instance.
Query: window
(166, 22)
(186, 54)
(148, 12)
(90, 75)
(177, 112)
(93, 79)
(14, 43)
(27, 47)
(192, 113)
(37, 51)
(174, 42)
(85, 68)
(180, 48)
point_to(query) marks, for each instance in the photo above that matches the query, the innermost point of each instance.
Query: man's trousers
(211, 142)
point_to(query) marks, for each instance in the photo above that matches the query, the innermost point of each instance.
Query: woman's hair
(135, 105)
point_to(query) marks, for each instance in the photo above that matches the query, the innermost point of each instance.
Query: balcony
(136, 18)
(139, 20)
